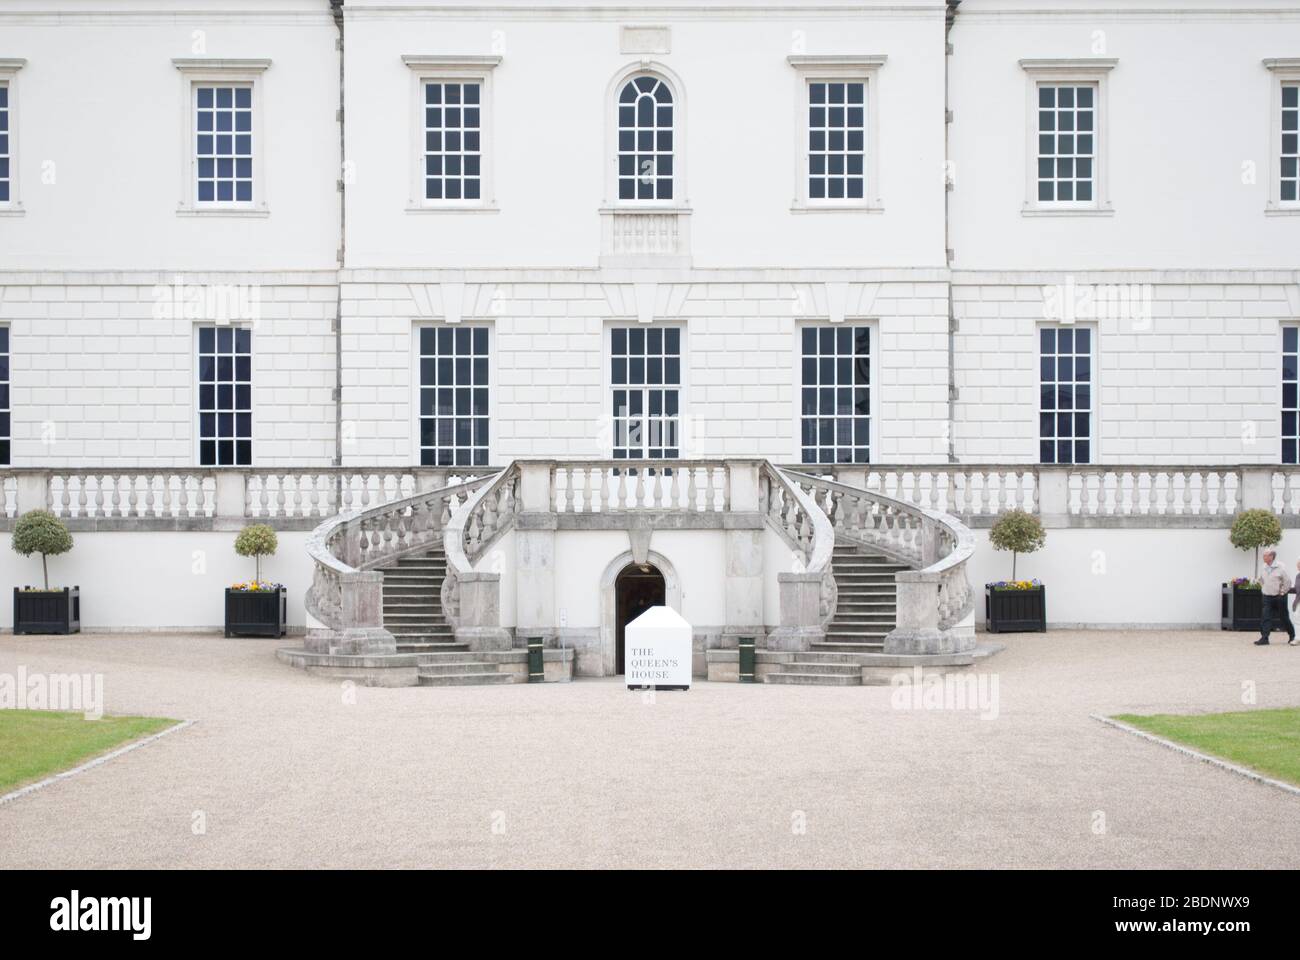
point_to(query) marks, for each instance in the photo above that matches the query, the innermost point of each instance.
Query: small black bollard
(536, 672)
(747, 659)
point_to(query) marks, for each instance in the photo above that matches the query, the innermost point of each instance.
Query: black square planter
(1015, 611)
(47, 611)
(1241, 609)
(256, 613)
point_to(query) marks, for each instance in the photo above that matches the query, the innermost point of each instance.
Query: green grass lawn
(1267, 741)
(37, 743)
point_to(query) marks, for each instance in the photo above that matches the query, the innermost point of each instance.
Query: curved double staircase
(406, 592)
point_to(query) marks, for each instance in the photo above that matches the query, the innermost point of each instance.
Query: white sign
(657, 649)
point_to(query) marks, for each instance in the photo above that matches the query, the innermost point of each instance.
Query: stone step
(816, 679)
(855, 634)
(456, 666)
(424, 634)
(407, 613)
(825, 667)
(461, 679)
(410, 579)
(446, 653)
(857, 658)
(411, 605)
(868, 602)
(842, 646)
(862, 620)
(458, 649)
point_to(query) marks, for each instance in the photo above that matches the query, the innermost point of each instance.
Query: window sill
(1036, 211)
(648, 209)
(452, 208)
(1276, 210)
(805, 206)
(254, 212)
(12, 210)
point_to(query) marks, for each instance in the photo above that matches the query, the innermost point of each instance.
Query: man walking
(1275, 584)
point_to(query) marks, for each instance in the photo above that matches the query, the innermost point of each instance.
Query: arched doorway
(638, 587)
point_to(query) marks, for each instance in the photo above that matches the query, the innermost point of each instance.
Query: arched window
(645, 140)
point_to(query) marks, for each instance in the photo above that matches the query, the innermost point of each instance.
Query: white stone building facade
(962, 208)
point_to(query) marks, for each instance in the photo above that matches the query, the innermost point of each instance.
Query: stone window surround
(1094, 406)
(9, 67)
(1281, 381)
(1284, 71)
(195, 72)
(679, 202)
(474, 69)
(829, 69)
(1082, 71)
(605, 433)
(7, 409)
(796, 367)
(414, 419)
(195, 325)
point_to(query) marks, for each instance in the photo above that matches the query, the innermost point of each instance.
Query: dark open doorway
(637, 588)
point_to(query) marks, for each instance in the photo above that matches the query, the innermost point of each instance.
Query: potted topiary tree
(256, 608)
(1016, 605)
(40, 609)
(1241, 604)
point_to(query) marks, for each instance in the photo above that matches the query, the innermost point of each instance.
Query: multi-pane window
(645, 140)
(1067, 148)
(835, 399)
(453, 122)
(1065, 395)
(225, 396)
(224, 143)
(836, 140)
(1290, 391)
(646, 376)
(1290, 170)
(454, 396)
(5, 428)
(6, 154)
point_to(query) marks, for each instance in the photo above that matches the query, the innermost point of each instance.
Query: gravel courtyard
(283, 770)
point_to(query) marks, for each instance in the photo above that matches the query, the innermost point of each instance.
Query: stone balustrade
(1083, 494)
(807, 590)
(299, 497)
(612, 486)
(295, 498)
(471, 599)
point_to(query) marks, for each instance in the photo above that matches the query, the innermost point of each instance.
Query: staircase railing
(935, 596)
(807, 593)
(808, 512)
(346, 595)
(471, 599)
